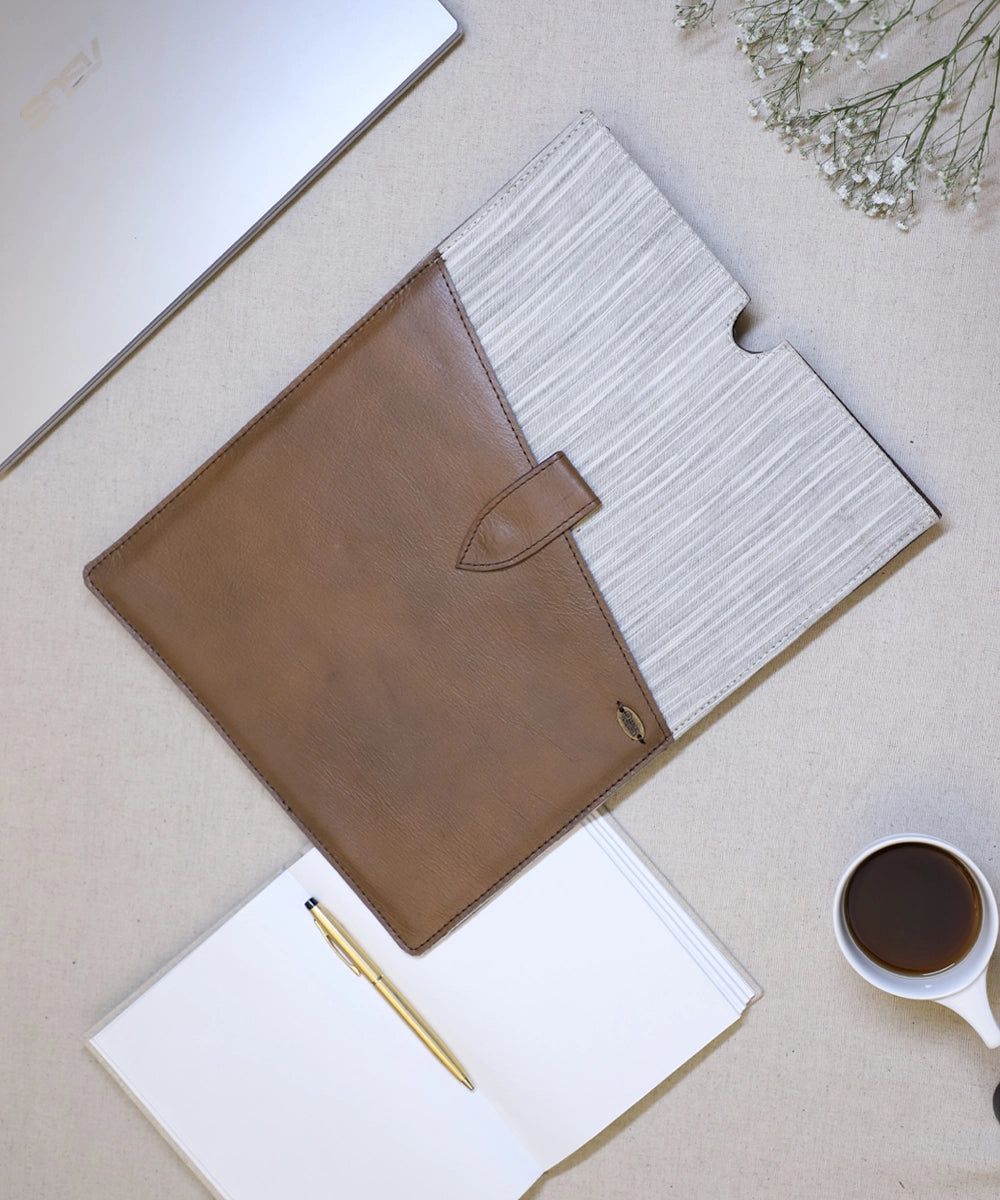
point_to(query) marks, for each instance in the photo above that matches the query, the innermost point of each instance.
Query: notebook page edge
(616, 841)
(172, 1140)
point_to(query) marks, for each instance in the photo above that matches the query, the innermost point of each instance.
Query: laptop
(143, 143)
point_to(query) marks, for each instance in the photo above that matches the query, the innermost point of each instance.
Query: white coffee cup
(961, 987)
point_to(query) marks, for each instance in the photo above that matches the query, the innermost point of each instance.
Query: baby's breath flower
(876, 147)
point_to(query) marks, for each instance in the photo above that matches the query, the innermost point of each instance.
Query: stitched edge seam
(494, 887)
(875, 564)
(474, 342)
(521, 555)
(502, 496)
(203, 707)
(564, 524)
(508, 491)
(262, 415)
(453, 239)
(640, 684)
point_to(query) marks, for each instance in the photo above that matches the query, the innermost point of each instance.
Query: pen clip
(340, 953)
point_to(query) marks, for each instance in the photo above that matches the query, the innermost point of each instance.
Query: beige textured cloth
(128, 825)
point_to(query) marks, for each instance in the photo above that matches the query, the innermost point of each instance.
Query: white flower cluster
(877, 148)
(863, 175)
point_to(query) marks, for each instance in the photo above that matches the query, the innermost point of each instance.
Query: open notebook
(275, 1071)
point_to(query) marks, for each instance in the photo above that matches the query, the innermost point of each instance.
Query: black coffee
(913, 908)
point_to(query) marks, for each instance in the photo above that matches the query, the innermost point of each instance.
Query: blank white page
(577, 990)
(567, 998)
(279, 1073)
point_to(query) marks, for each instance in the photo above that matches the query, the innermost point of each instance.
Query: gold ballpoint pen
(361, 964)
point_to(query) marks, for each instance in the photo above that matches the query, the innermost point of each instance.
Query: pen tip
(311, 902)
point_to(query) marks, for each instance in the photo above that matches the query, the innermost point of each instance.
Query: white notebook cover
(275, 1071)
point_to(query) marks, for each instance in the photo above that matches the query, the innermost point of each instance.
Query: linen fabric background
(129, 826)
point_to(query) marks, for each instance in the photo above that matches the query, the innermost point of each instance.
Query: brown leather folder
(373, 592)
(380, 590)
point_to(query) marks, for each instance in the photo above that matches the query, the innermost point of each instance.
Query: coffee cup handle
(973, 1005)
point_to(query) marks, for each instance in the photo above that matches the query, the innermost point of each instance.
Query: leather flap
(432, 730)
(541, 505)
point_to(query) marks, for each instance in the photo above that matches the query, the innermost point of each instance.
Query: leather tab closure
(539, 506)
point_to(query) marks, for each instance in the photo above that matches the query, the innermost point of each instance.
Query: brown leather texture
(545, 502)
(431, 728)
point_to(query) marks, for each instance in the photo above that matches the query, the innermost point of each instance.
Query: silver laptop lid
(142, 143)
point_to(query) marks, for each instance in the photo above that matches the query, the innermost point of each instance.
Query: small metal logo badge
(631, 725)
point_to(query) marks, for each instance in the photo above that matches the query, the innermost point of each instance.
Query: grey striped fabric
(740, 499)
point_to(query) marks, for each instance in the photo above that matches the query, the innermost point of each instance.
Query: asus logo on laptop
(39, 108)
